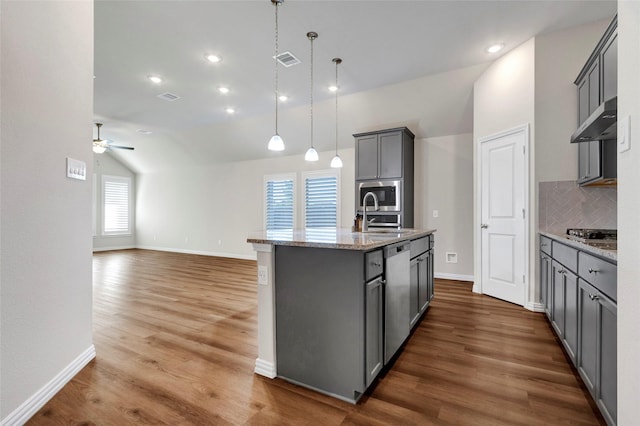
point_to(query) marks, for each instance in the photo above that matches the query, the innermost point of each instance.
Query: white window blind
(116, 195)
(279, 204)
(321, 201)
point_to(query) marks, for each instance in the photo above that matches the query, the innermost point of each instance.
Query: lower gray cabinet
(580, 302)
(545, 283)
(597, 352)
(414, 303)
(557, 298)
(374, 327)
(421, 277)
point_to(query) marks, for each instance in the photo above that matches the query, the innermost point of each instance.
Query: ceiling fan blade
(121, 147)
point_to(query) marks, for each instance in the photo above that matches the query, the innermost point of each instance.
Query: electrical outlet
(451, 257)
(436, 213)
(263, 278)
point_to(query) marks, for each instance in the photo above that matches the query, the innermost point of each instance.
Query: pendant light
(276, 143)
(336, 162)
(312, 154)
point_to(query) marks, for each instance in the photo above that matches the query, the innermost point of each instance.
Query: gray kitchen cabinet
(545, 275)
(597, 353)
(609, 59)
(414, 304)
(557, 298)
(367, 157)
(385, 154)
(581, 305)
(596, 83)
(374, 325)
(421, 277)
(564, 298)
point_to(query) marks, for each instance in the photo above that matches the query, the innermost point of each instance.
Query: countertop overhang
(336, 238)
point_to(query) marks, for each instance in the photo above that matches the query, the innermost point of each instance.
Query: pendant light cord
(311, 37)
(276, 65)
(337, 62)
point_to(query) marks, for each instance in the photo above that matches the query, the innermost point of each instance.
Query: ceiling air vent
(168, 96)
(287, 59)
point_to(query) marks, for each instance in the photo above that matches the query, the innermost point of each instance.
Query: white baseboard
(113, 248)
(201, 252)
(457, 277)
(27, 409)
(265, 368)
(534, 306)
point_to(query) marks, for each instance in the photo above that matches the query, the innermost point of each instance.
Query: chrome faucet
(365, 223)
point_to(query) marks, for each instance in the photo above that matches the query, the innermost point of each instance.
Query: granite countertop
(598, 251)
(336, 238)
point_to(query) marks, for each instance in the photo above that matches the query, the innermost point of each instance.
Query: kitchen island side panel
(320, 318)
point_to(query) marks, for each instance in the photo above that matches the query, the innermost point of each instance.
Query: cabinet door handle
(484, 226)
(544, 245)
(376, 264)
(593, 296)
(562, 271)
(593, 271)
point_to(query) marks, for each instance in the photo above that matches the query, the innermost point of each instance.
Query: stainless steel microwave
(389, 193)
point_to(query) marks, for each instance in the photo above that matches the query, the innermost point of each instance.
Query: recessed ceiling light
(333, 88)
(495, 48)
(223, 89)
(283, 98)
(230, 110)
(213, 58)
(144, 132)
(154, 79)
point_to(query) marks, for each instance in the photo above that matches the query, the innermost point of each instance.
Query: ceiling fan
(101, 145)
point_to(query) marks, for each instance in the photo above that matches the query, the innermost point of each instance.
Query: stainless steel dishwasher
(396, 324)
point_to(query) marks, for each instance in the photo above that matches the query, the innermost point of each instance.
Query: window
(116, 205)
(280, 202)
(321, 199)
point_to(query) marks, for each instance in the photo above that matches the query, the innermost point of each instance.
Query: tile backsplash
(564, 205)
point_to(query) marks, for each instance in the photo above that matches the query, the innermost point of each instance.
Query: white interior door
(504, 176)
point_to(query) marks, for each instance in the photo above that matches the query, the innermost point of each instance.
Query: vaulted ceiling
(382, 43)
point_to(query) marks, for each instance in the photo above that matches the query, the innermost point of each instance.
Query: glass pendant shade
(276, 143)
(336, 162)
(311, 155)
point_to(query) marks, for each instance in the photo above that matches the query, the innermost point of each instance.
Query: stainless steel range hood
(601, 124)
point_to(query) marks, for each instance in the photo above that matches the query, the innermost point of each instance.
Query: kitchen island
(334, 306)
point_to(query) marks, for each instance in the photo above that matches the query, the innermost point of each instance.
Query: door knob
(484, 226)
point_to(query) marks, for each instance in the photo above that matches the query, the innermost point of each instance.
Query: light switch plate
(624, 136)
(76, 169)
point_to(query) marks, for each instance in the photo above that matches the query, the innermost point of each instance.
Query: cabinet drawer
(373, 264)
(545, 245)
(599, 273)
(566, 255)
(419, 246)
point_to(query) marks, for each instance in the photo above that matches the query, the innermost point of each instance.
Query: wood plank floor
(175, 336)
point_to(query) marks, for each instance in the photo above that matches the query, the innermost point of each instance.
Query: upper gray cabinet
(598, 83)
(385, 154)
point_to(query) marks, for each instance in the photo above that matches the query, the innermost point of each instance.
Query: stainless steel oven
(389, 193)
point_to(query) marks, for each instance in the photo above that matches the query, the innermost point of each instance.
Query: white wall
(504, 98)
(444, 182)
(105, 164)
(559, 57)
(47, 102)
(212, 209)
(628, 208)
